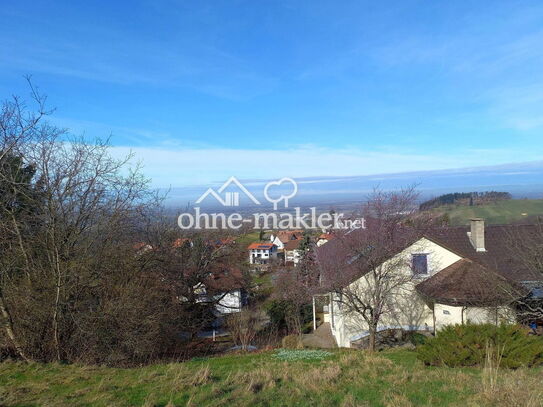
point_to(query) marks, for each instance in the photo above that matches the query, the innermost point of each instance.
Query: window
(420, 264)
(537, 292)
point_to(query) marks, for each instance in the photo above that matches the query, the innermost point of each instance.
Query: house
(223, 285)
(324, 238)
(262, 253)
(292, 252)
(226, 287)
(457, 275)
(285, 236)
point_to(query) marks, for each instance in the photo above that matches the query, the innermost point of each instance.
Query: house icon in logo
(230, 198)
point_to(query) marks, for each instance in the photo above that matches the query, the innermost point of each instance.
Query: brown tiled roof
(263, 246)
(225, 278)
(287, 235)
(500, 260)
(499, 254)
(292, 244)
(140, 245)
(466, 282)
(342, 259)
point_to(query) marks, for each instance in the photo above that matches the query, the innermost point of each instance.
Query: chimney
(477, 234)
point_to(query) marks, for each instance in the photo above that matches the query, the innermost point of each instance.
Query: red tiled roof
(326, 236)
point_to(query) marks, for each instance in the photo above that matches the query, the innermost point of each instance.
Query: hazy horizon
(520, 179)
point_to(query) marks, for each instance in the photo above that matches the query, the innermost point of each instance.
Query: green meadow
(513, 210)
(271, 378)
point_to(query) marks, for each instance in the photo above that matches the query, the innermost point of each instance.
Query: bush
(283, 311)
(243, 326)
(416, 338)
(466, 345)
(292, 342)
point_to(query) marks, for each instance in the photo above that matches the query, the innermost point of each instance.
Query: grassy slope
(348, 378)
(248, 238)
(498, 213)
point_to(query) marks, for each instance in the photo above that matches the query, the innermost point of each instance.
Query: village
(447, 276)
(277, 203)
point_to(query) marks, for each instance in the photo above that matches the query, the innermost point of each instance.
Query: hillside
(507, 211)
(342, 378)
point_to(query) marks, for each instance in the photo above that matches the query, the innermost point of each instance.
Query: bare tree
(243, 327)
(73, 284)
(20, 127)
(524, 245)
(293, 291)
(362, 269)
(68, 212)
(198, 272)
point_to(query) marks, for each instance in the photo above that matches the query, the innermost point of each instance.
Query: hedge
(466, 345)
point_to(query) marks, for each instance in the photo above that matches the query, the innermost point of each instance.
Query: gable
(439, 258)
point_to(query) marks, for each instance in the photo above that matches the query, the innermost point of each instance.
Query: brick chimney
(477, 234)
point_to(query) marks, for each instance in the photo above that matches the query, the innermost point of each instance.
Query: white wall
(407, 310)
(449, 315)
(276, 241)
(293, 255)
(263, 254)
(231, 302)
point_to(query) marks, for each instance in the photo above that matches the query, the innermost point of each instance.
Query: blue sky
(202, 90)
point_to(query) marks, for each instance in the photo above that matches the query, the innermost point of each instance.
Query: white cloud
(194, 166)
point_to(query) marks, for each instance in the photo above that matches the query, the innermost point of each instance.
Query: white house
(284, 236)
(225, 288)
(458, 274)
(292, 252)
(226, 302)
(262, 253)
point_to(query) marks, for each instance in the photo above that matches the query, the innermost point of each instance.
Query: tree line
(464, 198)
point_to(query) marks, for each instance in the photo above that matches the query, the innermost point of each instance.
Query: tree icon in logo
(280, 183)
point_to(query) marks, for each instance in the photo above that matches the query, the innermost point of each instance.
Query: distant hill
(465, 198)
(506, 211)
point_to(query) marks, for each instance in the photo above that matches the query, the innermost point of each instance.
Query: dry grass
(348, 378)
(514, 388)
